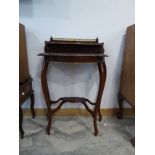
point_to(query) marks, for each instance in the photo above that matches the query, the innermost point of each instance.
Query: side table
(74, 51)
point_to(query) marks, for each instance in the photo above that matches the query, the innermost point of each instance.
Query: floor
(74, 136)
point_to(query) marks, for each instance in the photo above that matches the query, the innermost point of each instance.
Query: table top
(74, 51)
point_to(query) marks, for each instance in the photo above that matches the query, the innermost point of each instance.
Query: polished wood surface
(73, 51)
(25, 80)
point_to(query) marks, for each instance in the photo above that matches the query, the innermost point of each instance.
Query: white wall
(105, 19)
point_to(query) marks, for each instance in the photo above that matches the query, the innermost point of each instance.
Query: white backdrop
(105, 19)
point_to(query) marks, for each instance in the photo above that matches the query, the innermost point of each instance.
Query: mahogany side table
(74, 51)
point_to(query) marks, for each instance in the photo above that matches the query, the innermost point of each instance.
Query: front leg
(102, 73)
(46, 94)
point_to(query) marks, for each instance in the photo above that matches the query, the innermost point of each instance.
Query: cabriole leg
(46, 94)
(102, 73)
(102, 77)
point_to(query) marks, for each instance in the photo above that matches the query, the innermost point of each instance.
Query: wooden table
(74, 51)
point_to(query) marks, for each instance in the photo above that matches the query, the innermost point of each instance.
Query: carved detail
(72, 100)
(63, 100)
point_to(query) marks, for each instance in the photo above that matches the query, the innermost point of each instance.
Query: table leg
(102, 74)
(46, 94)
(21, 121)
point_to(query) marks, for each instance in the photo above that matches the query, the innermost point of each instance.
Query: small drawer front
(24, 92)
